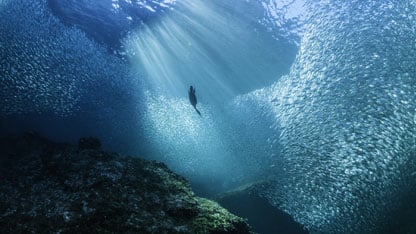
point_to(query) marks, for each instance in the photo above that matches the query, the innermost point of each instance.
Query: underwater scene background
(314, 97)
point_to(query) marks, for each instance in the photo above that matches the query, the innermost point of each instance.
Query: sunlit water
(218, 46)
(329, 117)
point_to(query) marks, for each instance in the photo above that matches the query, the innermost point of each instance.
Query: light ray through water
(223, 52)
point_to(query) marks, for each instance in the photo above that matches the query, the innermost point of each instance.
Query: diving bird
(192, 98)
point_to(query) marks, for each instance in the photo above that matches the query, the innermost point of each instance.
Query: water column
(219, 47)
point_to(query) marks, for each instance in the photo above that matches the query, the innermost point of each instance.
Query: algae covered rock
(215, 219)
(48, 187)
(89, 143)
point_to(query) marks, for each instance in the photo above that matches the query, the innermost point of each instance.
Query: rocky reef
(49, 187)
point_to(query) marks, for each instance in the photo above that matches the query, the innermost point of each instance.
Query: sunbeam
(216, 48)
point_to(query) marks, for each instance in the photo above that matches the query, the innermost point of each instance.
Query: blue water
(317, 96)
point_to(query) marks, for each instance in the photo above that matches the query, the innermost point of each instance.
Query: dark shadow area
(260, 214)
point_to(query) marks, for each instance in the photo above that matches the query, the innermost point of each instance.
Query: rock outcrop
(49, 187)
